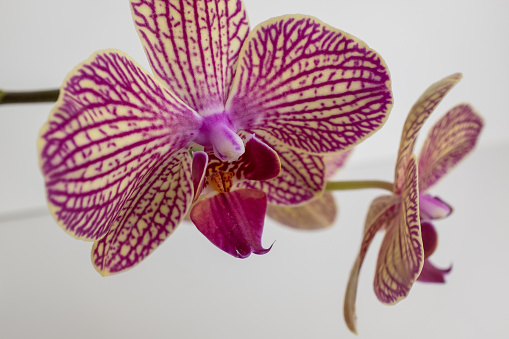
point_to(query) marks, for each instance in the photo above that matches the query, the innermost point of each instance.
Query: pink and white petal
(317, 214)
(431, 208)
(334, 162)
(401, 255)
(302, 177)
(448, 142)
(258, 162)
(233, 221)
(372, 226)
(418, 115)
(200, 161)
(309, 86)
(193, 46)
(378, 205)
(112, 124)
(432, 274)
(148, 217)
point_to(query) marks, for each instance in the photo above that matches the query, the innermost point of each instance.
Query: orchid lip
(217, 131)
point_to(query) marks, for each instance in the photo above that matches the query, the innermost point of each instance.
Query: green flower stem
(25, 97)
(355, 185)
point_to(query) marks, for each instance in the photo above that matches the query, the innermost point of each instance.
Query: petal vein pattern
(309, 86)
(418, 115)
(148, 217)
(193, 46)
(401, 255)
(448, 142)
(112, 123)
(377, 218)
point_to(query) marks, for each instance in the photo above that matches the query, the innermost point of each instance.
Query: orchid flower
(408, 242)
(124, 153)
(318, 213)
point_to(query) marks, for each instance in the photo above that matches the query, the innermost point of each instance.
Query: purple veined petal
(431, 208)
(317, 214)
(372, 226)
(309, 86)
(418, 115)
(432, 274)
(334, 162)
(110, 126)
(153, 210)
(302, 177)
(233, 221)
(193, 46)
(401, 255)
(429, 238)
(378, 205)
(448, 142)
(200, 161)
(259, 162)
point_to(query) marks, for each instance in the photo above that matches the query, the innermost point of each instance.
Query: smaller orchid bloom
(318, 213)
(120, 153)
(410, 238)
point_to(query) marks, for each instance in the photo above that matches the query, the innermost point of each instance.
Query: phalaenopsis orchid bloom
(410, 238)
(125, 153)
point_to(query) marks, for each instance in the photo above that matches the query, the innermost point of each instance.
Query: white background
(188, 288)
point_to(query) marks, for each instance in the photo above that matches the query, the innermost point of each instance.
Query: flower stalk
(28, 97)
(360, 184)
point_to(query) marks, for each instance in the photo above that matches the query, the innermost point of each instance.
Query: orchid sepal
(418, 115)
(450, 140)
(193, 47)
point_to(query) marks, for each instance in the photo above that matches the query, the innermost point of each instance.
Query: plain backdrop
(188, 288)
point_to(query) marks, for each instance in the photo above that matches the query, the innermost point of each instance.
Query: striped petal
(233, 221)
(111, 125)
(377, 218)
(448, 142)
(302, 177)
(401, 256)
(317, 214)
(193, 46)
(378, 205)
(418, 115)
(158, 204)
(309, 86)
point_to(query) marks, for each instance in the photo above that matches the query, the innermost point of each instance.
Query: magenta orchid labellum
(125, 153)
(405, 215)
